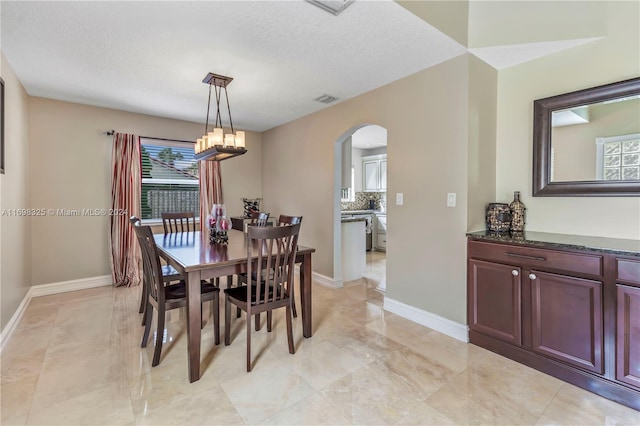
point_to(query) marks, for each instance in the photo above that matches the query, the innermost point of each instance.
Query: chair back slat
(259, 218)
(178, 222)
(283, 219)
(275, 250)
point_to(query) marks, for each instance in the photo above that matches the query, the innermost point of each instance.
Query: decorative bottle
(517, 213)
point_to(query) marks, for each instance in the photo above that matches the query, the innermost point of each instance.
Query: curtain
(210, 190)
(126, 186)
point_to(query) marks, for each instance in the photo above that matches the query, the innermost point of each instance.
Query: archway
(337, 196)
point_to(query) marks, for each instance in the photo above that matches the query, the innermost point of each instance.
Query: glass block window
(618, 157)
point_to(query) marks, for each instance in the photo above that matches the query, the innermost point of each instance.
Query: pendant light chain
(229, 109)
(206, 124)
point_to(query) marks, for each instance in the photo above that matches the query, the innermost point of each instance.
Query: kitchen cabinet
(381, 232)
(566, 310)
(374, 173)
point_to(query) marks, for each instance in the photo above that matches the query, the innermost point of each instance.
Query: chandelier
(215, 145)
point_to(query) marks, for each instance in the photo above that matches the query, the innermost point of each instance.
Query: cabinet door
(371, 177)
(383, 175)
(628, 335)
(495, 300)
(567, 319)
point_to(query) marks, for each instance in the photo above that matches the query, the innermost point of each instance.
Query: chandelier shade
(215, 145)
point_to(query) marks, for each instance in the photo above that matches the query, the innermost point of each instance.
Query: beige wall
(426, 120)
(613, 58)
(483, 83)
(70, 169)
(15, 231)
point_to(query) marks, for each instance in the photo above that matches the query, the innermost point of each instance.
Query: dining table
(196, 259)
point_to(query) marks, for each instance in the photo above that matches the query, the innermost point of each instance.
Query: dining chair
(274, 248)
(178, 222)
(169, 275)
(283, 220)
(165, 298)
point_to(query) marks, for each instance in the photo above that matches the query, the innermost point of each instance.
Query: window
(618, 157)
(169, 178)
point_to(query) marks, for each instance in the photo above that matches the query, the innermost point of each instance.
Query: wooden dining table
(191, 254)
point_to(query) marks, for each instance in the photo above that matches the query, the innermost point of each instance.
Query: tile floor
(75, 358)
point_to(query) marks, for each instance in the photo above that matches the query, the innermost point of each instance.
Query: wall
(70, 169)
(613, 58)
(483, 83)
(427, 158)
(15, 233)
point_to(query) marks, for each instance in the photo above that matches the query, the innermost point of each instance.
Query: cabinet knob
(515, 273)
(532, 276)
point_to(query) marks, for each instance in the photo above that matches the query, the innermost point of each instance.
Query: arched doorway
(368, 154)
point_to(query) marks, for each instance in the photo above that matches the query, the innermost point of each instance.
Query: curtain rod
(113, 132)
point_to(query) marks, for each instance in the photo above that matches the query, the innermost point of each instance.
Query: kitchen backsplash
(362, 201)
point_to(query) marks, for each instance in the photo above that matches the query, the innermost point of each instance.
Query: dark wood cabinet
(574, 314)
(494, 292)
(567, 319)
(628, 321)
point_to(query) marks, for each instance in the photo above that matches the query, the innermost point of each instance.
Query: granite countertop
(353, 219)
(347, 212)
(567, 241)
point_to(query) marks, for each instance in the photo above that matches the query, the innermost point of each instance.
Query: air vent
(326, 99)
(335, 7)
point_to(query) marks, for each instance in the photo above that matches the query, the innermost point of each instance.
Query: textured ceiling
(150, 56)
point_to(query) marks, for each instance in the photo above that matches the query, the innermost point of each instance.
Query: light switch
(451, 199)
(399, 198)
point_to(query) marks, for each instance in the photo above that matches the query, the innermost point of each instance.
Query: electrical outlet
(451, 199)
(399, 198)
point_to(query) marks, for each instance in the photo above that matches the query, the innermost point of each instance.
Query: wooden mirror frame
(542, 110)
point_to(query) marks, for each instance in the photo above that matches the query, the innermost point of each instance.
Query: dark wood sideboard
(565, 305)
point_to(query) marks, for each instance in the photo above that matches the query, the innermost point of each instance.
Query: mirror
(587, 143)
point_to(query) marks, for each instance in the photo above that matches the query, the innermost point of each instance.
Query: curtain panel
(126, 187)
(210, 190)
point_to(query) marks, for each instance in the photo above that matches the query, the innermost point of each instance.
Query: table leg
(194, 320)
(305, 295)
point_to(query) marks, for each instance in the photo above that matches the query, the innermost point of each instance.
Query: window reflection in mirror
(599, 141)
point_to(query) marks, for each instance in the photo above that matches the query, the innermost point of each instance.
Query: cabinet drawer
(628, 271)
(381, 223)
(381, 241)
(537, 258)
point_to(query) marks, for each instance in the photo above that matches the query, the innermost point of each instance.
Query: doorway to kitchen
(360, 187)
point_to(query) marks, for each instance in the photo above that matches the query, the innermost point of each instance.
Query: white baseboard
(325, 280)
(46, 290)
(436, 322)
(13, 322)
(73, 285)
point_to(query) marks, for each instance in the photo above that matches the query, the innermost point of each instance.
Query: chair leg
(227, 321)
(216, 319)
(229, 285)
(257, 322)
(269, 320)
(293, 306)
(159, 336)
(248, 343)
(143, 298)
(202, 321)
(146, 320)
(292, 349)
